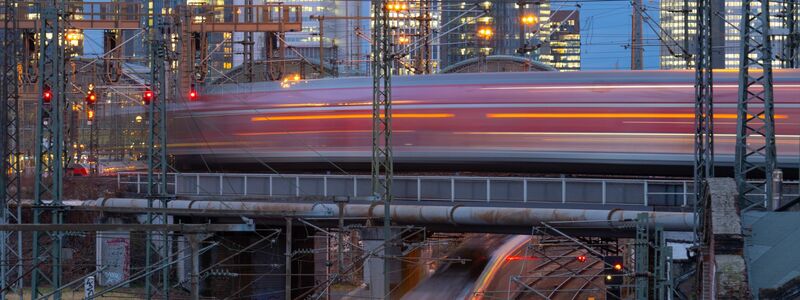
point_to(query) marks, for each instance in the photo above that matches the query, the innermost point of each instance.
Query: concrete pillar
(322, 260)
(288, 262)
(194, 262)
(374, 272)
(113, 250)
(726, 268)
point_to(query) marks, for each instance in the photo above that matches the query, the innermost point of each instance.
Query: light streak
(349, 116)
(609, 116)
(632, 87)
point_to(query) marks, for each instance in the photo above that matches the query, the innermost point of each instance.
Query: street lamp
(485, 33)
(530, 19)
(396, 6)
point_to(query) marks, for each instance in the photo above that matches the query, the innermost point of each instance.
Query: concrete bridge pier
(404, 262)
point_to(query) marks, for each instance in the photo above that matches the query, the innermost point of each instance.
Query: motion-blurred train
(608, 121)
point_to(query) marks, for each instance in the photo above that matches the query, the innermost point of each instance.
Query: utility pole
(248, 43)
(321, 46)
(157, 242)
(382, 166)
(49, 150)
(755, 134)
(686, 11)
(524, 19)
(703, 135)
(791, 44)
(637, 52)
(704, 101)
(10, 241)
(423, 59)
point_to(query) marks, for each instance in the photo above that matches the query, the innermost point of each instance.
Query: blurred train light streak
(350, 116)
(523, 258)
(592, 87)
(609, 116)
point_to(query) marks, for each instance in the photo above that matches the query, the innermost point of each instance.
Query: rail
(634, 192)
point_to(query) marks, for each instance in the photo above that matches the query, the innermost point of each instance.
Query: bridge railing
(675, 193)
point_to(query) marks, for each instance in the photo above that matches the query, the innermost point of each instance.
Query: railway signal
(613, 269)
(581, 258)
(89, 116)
(47, 95)
(147, 96)
(91, 98)
(192, 93)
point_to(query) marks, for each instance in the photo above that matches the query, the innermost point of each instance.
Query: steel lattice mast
(382, 167)
(157, 242)
(703, 135)
(755, 134)
(704, 104)
(49, 150)
(791, 46)
(10, 184)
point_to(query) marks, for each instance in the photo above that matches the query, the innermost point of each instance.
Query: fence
(428, 188)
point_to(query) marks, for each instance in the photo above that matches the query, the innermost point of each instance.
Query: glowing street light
(529, 19)
(396, 6)
(290, 80)
(403, 40)
(485, 33)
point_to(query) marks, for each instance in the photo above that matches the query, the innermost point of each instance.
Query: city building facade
(565, 41)
(522, 28)
(679, 35)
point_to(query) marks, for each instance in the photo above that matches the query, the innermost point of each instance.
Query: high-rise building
(679, 18)
(552, 38)
(565, 41)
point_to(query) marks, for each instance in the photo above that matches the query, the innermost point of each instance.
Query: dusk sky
(606, 28)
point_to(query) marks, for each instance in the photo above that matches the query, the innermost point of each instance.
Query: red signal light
(192, 95)
(91, 98)
(147, 96)
(47, 95)
(617, 267)
(582, 258)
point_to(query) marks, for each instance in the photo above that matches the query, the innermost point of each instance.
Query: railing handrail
(434, 177)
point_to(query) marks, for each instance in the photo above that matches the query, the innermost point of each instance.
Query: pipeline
(409, 213)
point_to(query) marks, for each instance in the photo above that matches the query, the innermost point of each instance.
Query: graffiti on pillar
(116, 259)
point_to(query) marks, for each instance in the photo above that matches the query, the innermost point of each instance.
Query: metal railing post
(197, 183)
(452, 189)
(488, 190)
(419, 189)
(604, 192)
(525, 190)
(645, 193)
(563, 190)
(245, 185)
(685, 191)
